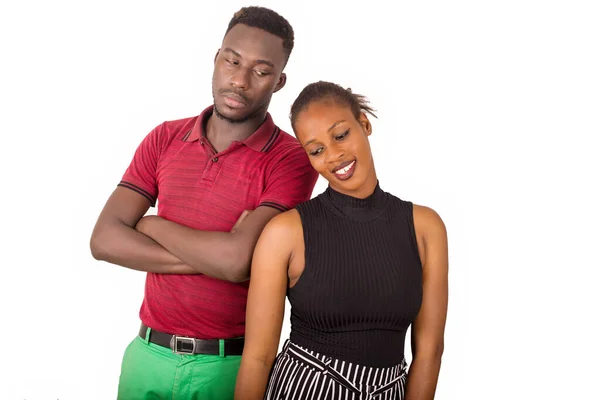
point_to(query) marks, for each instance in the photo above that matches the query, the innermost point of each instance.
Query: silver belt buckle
(182, 344)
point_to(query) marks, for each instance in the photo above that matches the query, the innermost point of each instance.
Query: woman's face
(338, 147)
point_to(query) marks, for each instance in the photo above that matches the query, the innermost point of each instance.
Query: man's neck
(220, 133)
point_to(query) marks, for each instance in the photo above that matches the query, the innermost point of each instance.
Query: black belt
(188, 345)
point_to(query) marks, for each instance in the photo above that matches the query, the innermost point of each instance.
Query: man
(205, 172)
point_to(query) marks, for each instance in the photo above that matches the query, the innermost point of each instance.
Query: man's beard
(239, 120)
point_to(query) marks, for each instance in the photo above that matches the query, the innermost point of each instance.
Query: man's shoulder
(177, 127)
(286, 145)
(286, 137)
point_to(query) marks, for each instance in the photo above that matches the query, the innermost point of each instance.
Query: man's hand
(239, 221)
(223, 255)
(144, 224)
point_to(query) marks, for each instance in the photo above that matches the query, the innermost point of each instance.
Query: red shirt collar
(259, 140)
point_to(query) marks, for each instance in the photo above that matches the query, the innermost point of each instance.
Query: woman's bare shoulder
(427, 219)
(283, 227)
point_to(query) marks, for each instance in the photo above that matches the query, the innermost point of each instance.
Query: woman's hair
(328, 91)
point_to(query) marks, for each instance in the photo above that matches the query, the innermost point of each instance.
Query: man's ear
(281, 83)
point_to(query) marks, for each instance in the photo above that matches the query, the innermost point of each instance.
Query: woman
(359, 266)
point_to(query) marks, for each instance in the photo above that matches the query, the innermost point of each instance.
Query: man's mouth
(234, 100)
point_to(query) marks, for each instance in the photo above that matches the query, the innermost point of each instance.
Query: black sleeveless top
(362, 282)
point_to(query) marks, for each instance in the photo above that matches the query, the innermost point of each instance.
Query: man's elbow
(97, 248)
(100, 246)
(238, 269)
(239, 272)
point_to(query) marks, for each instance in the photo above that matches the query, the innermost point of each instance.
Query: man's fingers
(240, 219)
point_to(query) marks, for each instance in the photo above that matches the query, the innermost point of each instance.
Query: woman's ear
(365, 123)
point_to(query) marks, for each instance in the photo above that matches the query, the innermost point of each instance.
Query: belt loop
(286, 344)
(147, 339)
(221, 348)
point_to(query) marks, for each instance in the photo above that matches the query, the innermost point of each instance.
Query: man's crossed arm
(123, 236)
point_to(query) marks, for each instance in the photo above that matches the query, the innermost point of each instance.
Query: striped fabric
(299, 373)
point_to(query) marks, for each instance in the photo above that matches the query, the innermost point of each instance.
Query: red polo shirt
(197, 187)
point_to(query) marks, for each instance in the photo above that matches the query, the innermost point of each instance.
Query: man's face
(248, 70)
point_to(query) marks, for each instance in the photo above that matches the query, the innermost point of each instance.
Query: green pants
(153, 372)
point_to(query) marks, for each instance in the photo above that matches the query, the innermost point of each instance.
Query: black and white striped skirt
(299, 373)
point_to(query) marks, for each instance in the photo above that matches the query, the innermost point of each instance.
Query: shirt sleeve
(140, 176)
(291, 181)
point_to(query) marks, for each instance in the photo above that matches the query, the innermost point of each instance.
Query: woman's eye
(316, 152)
(342, 135)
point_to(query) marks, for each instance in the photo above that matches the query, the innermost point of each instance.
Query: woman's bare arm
(266, 302)
(428, 329)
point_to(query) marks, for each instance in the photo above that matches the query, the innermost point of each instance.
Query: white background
(488, 112)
